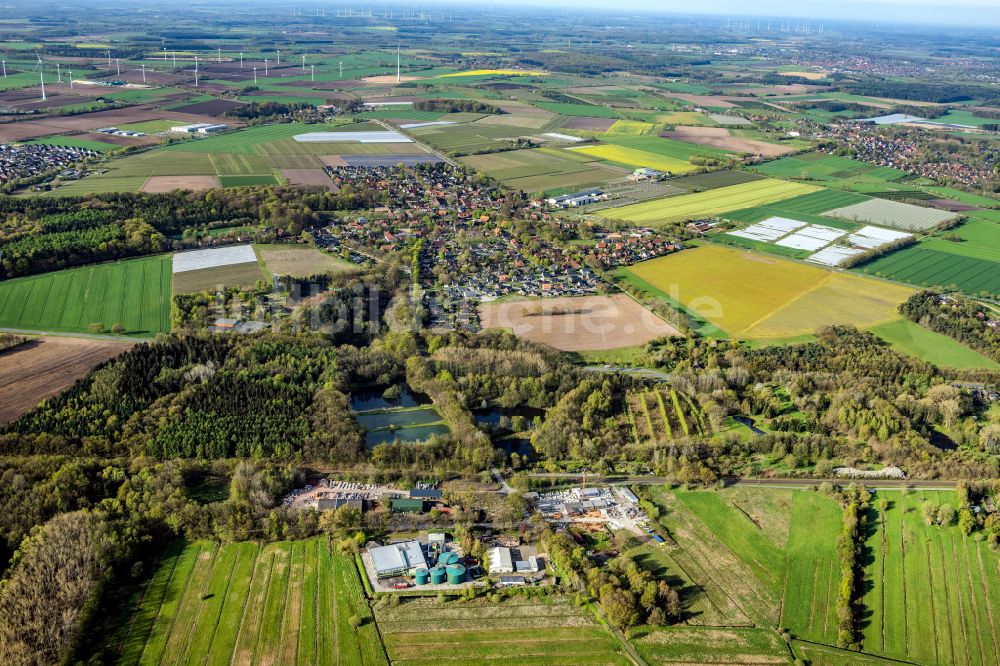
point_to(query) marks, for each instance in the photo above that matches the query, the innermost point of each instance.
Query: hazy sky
(962, 12)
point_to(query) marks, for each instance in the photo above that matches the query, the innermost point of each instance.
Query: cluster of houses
(615, 249)
(34, 159)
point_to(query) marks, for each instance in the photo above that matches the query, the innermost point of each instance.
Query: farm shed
(407, 505)
(337, 502)
(501, 561)
(397, 559)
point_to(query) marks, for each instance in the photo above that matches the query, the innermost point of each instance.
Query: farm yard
(549, 631)
(752, 296)
(284, 602)
(134, 294)
(577, 323)
(41, 368)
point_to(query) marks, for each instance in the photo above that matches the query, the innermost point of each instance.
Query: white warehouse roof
(397, 557)
(500, 560)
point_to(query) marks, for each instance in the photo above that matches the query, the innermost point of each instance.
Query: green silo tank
(422, 576)
(437, 575)
(456, 574)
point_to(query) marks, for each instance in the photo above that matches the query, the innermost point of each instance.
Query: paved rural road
(645, 373)
(89, 336)
(873, 484)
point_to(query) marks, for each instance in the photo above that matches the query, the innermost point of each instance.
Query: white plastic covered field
(213, 258)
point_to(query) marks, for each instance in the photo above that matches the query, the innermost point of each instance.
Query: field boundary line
(170, 627)
(902, 570)
(882, 572)
(142, 599)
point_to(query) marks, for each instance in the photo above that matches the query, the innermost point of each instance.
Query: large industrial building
(501, 561)
(398, 559)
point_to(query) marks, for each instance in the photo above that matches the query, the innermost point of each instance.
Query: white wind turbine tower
(312, 72)
(41, 76)
(58, 74)
(278, 61)
(143, 72)
(196, 71)
(175, 58)
(265, 66)
(118, 66)
(4, 69)
(109, 57)
(303, 62)
(71, 79)
(255, 76)
(241, 59)
(220, 54)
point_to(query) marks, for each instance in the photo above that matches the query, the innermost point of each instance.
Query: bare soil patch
(40, 369)
(580, 323)
(333, 160)
(31, 129)
(170, 183)
(388, 78)
(309, 177)
(592, 124)
(215, 107)
(719, 137)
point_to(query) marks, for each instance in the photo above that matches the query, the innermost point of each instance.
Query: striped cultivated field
(549, 631)
(918, 265)
(281, 603)
(933, 595)
(134, 293)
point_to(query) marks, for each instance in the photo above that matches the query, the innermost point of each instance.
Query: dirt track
(42, 368)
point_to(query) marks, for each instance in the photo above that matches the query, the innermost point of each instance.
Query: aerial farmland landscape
(464, 333)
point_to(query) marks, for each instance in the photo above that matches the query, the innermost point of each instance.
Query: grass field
(922, 266)
(980, 239)
(300, 260)
(813, 579)
(752, 296)
(570, 109)
(728, 645)
(712, 202)
(933, 595)
(209, 279)
(134, 293)
(817, 166)
(637, 158)
(468, 138)
(912, 339)
(543, 631)
(243, 603)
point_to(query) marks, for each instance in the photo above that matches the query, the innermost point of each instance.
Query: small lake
(367, 399)
(499, 417)
(402, 418)
(415, 434)
(519, 445)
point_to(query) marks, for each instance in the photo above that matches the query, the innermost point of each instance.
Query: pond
(370, 398)
(500, 417)
(519, 445)
(402, 418)
(415, 434)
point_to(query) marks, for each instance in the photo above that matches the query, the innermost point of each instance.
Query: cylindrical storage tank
(437, 575)
(422, 576)
(456, 574)
(452, 558)
(443, 559)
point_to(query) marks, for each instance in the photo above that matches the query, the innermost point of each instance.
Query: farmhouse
(501, 561)
(397, 559)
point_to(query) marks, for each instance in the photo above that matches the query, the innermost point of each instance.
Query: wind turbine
(265, 66)
(279, 58)
(58, 73)
(175, 58)
(241, 59)
(109, 57)
(255, 76)
(196, 71)
(5, 69)
(41, 76)
(341, 69)
(303, 62)
(118, 66)
(143, 72)
(71, 79)
(312, 70)
(220, 54)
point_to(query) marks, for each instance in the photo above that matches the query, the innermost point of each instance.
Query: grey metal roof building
(397, 559)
